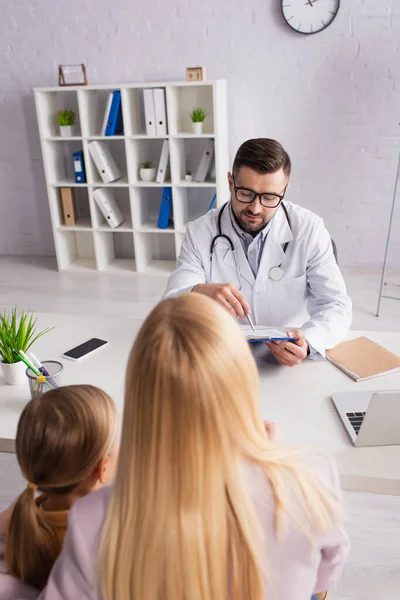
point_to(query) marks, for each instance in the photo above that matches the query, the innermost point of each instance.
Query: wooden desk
(297, 399)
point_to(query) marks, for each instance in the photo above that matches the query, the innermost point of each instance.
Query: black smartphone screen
(85, 348)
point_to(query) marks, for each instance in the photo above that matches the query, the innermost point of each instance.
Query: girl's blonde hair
(181, 523)
(62, 437)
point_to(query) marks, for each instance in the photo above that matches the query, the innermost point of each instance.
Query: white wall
(333, 99)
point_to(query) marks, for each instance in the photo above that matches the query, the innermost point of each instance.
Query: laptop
(370, 418)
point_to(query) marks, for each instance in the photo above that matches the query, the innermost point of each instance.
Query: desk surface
(297, 399)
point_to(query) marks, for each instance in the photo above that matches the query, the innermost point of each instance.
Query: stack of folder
(155, 111)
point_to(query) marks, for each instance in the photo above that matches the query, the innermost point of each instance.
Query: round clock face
(309, 16)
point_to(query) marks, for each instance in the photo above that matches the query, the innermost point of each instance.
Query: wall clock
(309, 16)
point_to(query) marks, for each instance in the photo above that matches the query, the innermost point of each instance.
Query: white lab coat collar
(272, 255)
(280, 233)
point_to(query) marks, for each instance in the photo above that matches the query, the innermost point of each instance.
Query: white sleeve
(190, 270)
(329, 306)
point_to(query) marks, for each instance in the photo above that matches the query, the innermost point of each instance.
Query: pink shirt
(296, 570)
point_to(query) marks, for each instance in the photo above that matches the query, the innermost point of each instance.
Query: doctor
(261, 255)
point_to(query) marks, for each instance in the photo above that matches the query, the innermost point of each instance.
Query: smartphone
(83, 349)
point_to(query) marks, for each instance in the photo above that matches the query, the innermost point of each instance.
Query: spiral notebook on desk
(363, 359)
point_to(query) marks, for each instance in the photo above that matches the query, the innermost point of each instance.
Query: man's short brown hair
(262, 155)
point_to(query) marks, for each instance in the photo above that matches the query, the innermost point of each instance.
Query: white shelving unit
(137, 245)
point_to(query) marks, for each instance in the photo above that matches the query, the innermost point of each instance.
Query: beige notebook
(363, 359)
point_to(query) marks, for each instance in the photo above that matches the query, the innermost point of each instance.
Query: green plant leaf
(198, 115)
(65, 117)
(18, 334)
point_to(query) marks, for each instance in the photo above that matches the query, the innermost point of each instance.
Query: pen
(25, 360)
(250, 322)
(38, 365)
(21, 354)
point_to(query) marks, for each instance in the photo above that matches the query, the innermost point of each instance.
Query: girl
(66, 447)
(205, 506)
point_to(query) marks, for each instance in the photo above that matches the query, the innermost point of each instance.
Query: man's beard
(252, 229)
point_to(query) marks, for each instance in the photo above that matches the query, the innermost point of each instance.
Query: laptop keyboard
(356, 420)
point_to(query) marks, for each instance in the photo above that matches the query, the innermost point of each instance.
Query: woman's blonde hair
(62, 437)
(181, 524)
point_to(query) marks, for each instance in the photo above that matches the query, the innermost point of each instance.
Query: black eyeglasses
(247, 196)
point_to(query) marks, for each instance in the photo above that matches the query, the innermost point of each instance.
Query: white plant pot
(197, 127)
(67, 130)
(14, 373)
(147, 174)
(189, 177)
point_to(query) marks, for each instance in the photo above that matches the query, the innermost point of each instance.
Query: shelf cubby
(186, 155)
(182, 99)
(92, 107)
(145, 209)
(137, 245)
(48, 104)
(143, 150)
(122, 198)
(117, 150)
(192, 203)
(76, 250)
(59, 161)
(82, 211)
(155, 252)
(115, 251)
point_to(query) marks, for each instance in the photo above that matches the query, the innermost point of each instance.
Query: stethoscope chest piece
(276, 273)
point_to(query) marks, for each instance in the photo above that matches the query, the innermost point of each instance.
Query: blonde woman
(66, 445)
(204, 506)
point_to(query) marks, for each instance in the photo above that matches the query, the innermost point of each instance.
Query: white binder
(104, 161)
(163, 164)
(107, 111)
(149, 112)
(108, 206)
(160, 111)
(205, 162)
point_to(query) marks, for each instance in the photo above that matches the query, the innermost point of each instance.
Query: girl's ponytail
(31, 546)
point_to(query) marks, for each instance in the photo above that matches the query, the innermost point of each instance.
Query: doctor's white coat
(311, 295)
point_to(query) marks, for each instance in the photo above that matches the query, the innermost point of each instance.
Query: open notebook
(363, 359)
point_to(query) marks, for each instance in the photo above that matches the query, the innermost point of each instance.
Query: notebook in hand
(363, 359)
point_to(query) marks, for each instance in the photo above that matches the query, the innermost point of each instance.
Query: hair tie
(32, 486)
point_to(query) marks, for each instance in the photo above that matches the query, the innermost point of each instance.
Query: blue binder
(79, 167)
(114, 120)
(212, 203)
(165, 208)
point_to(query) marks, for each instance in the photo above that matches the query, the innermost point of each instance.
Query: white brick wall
(333, 99)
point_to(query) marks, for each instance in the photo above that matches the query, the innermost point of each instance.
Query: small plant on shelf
(198, 116)
(188, 176)
(66, 122)
(16, 334)
(147, 171)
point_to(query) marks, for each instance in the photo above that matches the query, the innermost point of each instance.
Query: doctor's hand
(290, 353)
(227, 295)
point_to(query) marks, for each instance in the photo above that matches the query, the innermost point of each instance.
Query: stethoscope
(275, 273)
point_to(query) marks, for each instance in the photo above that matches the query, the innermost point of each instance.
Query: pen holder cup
(38, 384)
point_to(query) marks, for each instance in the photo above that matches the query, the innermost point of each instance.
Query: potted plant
(188, 176)
(147, 171)
(66, 122)
(198, 116)
(16, 334)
